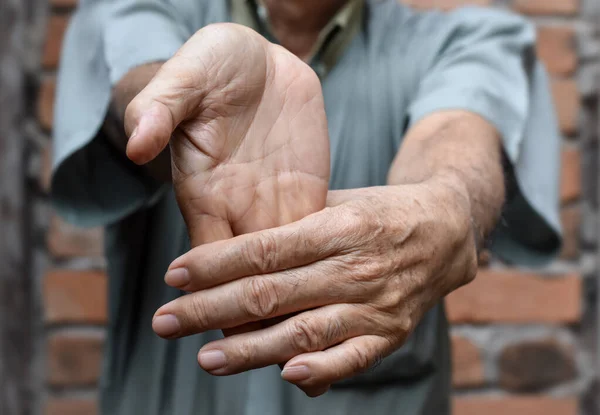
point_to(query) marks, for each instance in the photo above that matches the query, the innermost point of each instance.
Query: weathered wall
(524, 342)
(15, 334)
(20, 43)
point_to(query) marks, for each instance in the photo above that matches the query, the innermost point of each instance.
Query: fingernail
(178, 277)
(166, 325)
(212, 360)
(295, 373)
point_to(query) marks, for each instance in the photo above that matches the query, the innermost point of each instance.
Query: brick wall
(523, 341)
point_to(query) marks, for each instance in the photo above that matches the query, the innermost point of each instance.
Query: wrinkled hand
(246, 124)
(357, 277)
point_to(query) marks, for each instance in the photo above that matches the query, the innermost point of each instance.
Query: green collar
(332, 41)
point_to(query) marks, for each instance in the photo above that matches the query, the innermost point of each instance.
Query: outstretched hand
(246, 125)
(250, 153)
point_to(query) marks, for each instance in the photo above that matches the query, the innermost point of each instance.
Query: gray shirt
(398, 67)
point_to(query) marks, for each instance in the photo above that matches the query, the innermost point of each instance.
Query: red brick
(536, 364)
(55, 32)
(68, 241)
(467, 366)
(64, 406)
(444, 4)
(556, 48)
(74, 359)
(75, 297)
(510, 296)
(547, 7)
(526, 405)
(571, 220)
(570, 177)
(45, 104)
(567, 105)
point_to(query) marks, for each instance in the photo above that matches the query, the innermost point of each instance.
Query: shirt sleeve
(484, 61)
(92, 184)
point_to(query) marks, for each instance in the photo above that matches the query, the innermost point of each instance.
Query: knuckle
(361, 362)
(397, 329)
(260, 253)
(404, 328)
(372, 269)
(197, 314)
(244, 354)
(353, 221)
(337, 330)
(261, 299)
(364, 228)
(363, 275)
(304, 337)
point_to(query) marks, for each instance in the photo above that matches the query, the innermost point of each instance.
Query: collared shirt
(331, 42)
(397, 68)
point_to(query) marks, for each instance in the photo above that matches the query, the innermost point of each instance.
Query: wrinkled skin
(249, 145)
(341, 286)
(371, 264)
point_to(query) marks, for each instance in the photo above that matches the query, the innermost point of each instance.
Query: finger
(154, 114)
(300, 243)
(306, 332)
(202, 65)
(350, 358)
(255, 298)
(254, 326)
(151, 125)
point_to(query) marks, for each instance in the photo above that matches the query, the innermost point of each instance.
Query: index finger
(300, 243)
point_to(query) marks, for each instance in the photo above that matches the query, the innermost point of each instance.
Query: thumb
(209, 61)
(152, 116)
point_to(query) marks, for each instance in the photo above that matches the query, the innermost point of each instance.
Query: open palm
(246, 124)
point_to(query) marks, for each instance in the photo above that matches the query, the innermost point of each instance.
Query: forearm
(464, 152)
(123, 93)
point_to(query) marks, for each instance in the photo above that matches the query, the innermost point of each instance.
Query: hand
(357, 277)
(249, 144)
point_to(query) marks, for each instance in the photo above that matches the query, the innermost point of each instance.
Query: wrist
(452, 191)
(453, 196)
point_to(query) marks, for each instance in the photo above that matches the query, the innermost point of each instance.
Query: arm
(93, 184)
(356, 277)
(463, 151)
(483, 61)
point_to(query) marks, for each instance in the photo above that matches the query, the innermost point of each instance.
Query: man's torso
(366, 93)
